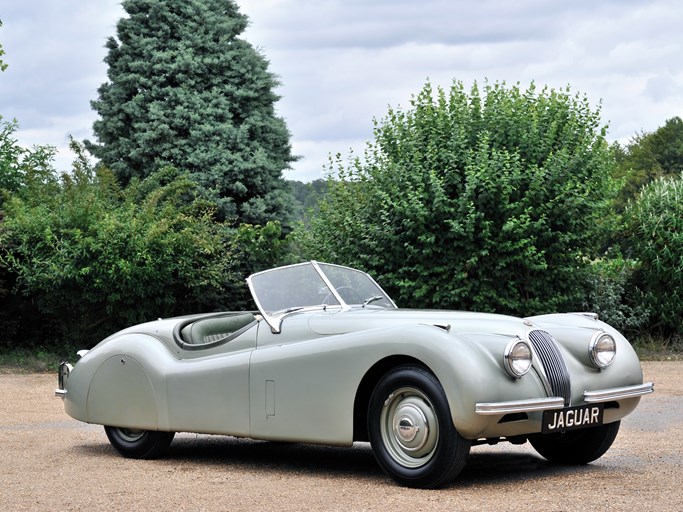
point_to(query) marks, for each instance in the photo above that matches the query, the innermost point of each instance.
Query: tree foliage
(185, 90)
(649, 156)
(612, 295)
(655, 238)
(20, 170)
(490, 200)
(19, 166)
(3, 64)
(307, 196)
(94, 257)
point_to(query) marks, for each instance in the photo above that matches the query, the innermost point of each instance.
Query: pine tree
(185, 90)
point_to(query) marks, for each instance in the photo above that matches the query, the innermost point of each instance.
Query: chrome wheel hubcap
(409, 428)
(130, 434)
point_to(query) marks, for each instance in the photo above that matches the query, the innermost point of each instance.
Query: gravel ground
(49, 462)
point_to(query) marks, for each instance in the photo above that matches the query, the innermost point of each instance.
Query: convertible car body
(329, 358)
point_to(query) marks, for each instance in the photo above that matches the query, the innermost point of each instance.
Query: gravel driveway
(53, 463)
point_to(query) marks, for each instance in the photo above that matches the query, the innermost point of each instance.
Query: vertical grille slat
(552, 363)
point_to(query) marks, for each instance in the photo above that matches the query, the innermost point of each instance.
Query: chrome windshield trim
(279, 316)
(329, 284)
(607, 395)
(531, 405)
(274, 318)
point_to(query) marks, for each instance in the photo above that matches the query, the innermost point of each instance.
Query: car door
(208, 389)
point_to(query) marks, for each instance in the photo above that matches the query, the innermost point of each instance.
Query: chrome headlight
(517, 358)
(602, 349)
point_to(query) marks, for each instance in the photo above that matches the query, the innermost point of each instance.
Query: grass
(656, 348)
(33, 361)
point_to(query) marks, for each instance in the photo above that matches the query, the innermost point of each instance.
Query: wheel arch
(367, 385)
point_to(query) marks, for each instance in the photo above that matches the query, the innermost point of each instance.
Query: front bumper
(545, 404)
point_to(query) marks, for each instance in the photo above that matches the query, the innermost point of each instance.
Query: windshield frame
(275, 318)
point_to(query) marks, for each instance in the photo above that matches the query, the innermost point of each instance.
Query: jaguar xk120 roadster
(329, 358)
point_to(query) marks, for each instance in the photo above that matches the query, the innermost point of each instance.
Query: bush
(94, 258)
(611, 296)
(490, 201)
(655, 238)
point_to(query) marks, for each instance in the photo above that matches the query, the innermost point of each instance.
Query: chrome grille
(553, 365)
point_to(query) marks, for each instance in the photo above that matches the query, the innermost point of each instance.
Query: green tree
(307, 196)
(486, 201)
(185, 90)
(649, 156)
(654, 223)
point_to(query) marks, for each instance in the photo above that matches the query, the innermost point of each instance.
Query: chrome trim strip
(530, 405)
(607, 395)
(274, 319)
(329, 284)
(587, 314)
(61, 393)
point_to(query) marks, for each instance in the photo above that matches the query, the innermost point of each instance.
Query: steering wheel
(348, 295)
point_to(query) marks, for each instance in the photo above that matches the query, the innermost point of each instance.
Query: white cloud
(341, 62)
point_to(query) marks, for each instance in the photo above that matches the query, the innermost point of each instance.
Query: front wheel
(411, 430)
(576, 446)
(139, 444)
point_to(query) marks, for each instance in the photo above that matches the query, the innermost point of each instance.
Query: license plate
(572, 418)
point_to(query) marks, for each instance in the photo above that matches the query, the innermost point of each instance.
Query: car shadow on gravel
(268, 455)
(357, 462)
(491, 468)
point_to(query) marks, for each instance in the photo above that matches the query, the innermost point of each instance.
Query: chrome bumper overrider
(545, 404)
(62, 376)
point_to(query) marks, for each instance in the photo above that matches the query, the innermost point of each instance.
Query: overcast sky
(342, 62)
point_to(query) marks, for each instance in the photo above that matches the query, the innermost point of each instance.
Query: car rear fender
(121, 383)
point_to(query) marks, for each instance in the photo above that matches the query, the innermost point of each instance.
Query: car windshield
(283, 290)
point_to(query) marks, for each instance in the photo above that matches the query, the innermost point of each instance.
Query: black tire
(411, 430)
(139, 444)
(576, 447)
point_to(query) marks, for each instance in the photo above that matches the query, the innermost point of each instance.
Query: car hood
(328, 323)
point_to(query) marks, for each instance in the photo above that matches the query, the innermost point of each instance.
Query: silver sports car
(329, 358)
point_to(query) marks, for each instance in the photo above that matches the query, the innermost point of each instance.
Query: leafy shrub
(491, 201)
(19, 166)
(93, 257)
(655, 238)
(611, 296)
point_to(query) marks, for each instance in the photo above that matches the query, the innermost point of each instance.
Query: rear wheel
(411, 431)
(139, 444)
(576, 446)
